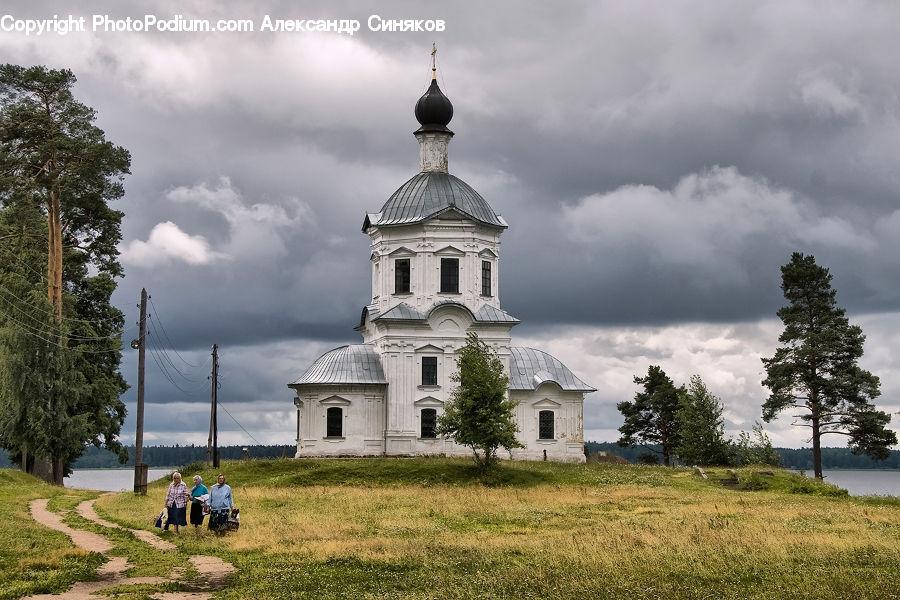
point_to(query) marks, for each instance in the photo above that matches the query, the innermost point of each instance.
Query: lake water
(109, 480)
(858, 482)
(863, 482)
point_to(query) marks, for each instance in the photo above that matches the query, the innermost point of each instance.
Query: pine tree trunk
(816, 441)
(54, 257)
(53, 473)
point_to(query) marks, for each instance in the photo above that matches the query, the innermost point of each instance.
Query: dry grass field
(383, 528)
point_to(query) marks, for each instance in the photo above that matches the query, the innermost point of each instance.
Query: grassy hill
(432, 528)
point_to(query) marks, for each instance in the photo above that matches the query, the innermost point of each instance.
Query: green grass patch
(422, 472)
(33, 558)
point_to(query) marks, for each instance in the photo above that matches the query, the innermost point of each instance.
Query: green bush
(753, 481)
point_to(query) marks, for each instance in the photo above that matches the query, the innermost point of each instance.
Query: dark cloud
(656, 163)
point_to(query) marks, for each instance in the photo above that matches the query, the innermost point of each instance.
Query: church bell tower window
(485, 278)
(449, 275)
(401, 276)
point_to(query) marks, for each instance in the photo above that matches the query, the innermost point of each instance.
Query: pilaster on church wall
(407, 416)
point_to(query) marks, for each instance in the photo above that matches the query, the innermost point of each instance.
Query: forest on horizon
(175, 456)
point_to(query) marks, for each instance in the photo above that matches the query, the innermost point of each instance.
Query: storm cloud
(656, 162)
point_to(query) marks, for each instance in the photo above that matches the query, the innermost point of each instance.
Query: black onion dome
(434, 110)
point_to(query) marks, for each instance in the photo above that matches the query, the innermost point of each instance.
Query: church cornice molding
(448, 226)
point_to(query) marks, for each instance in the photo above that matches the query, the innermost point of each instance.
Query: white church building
(435, 257)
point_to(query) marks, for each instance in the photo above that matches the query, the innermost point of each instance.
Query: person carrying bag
(199, 499)
(220, 505)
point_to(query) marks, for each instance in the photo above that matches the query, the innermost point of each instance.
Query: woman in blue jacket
(220, 504)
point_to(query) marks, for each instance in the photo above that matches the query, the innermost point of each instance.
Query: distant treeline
(801, 459)
(171, 456)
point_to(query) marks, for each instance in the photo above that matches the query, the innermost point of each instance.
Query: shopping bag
(161, 519)
(234, 519)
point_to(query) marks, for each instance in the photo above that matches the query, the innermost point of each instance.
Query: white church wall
(362, 420)
(567, 444)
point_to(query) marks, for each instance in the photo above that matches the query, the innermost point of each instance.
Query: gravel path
(213, 570)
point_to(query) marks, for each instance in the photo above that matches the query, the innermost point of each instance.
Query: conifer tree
(59, 356)
(701, 427)
(650, 420)
(815, 374)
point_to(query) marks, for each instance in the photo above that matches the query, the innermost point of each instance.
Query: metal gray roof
(356, 363)
(427, 195)
(529, 368)
(405, 312)
(402, 311)
(492, 314)
(359, 364)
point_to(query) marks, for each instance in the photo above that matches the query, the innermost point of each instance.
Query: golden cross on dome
(433, 66)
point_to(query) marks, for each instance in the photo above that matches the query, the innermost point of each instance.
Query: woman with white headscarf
(176, 501)
(199, 497)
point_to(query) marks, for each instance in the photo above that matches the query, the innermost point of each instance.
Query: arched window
(429, 421)
(334, 422)
(545, 425)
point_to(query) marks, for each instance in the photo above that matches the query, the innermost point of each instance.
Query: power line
(165, 355)
(41, 334)
(43, 277)
(162, 367)
(17, 258)
(219, 402)
(166, 334)
(41, 323)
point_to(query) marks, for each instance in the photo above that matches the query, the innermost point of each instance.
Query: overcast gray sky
(656, 161)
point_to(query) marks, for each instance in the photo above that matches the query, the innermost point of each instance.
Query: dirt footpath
(212, 569)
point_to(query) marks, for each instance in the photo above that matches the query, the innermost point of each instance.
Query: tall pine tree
(815, 374)
(59, 357)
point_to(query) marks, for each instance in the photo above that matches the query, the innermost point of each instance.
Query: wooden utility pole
(140, 469)
(212, 449)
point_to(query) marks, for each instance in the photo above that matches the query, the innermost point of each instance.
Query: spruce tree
(701, 427)
(815, 374)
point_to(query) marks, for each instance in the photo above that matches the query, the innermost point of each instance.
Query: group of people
(216, 500)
